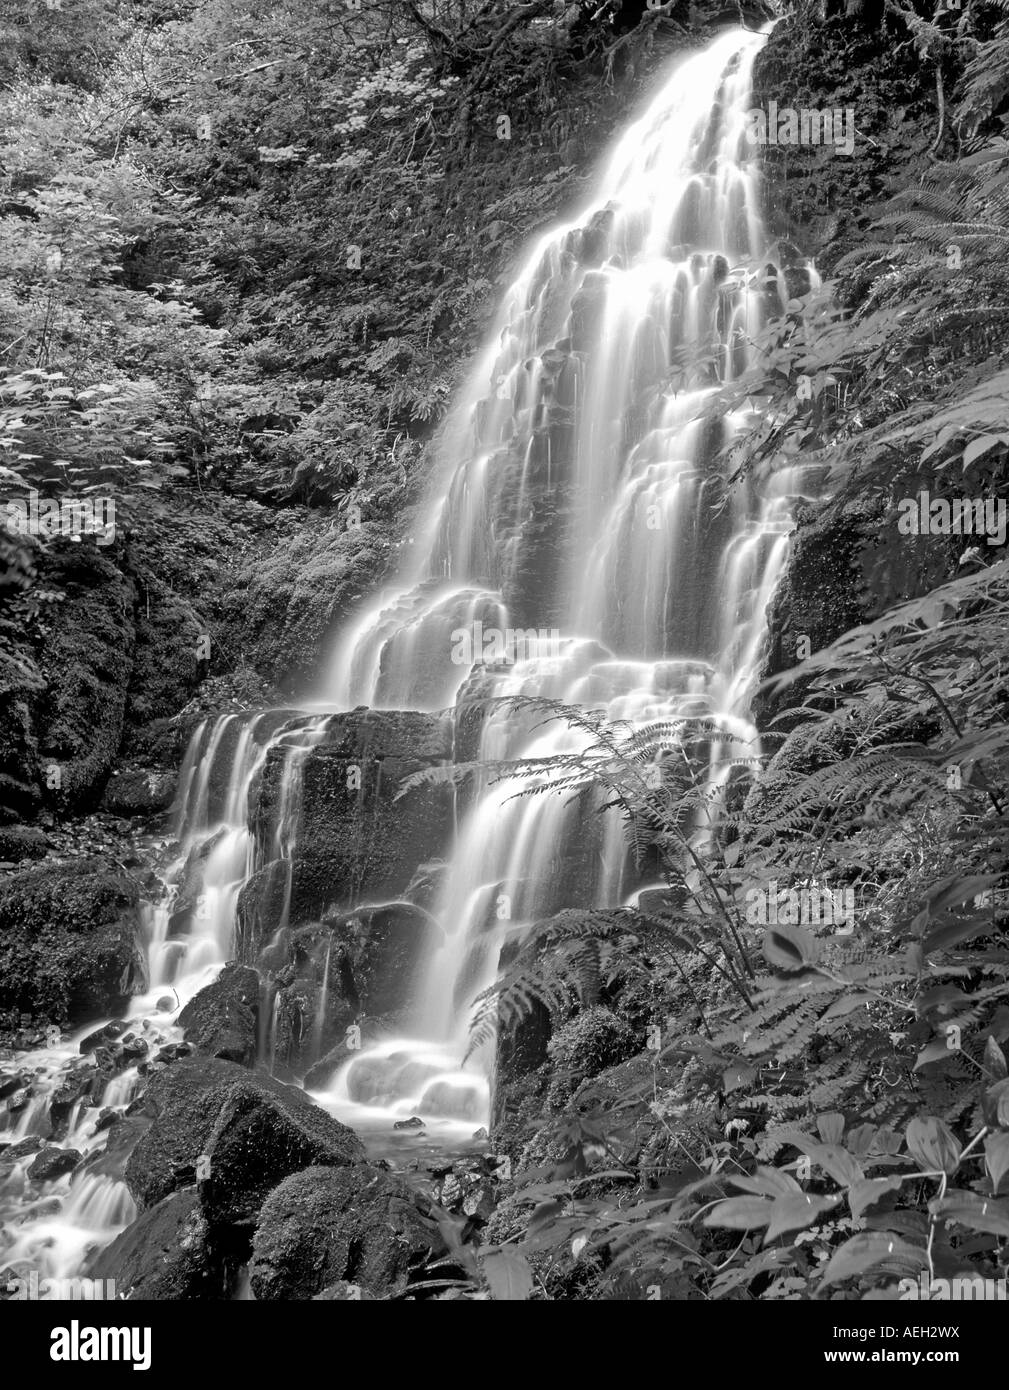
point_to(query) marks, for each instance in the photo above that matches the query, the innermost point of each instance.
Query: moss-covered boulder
(169, 660)
(330, 1224)
(22, 842)
(583, 1047)
(69, 940)
(140, 792)
(210, 1109)
(20, 774)
(222, 1020)
(260, 1138)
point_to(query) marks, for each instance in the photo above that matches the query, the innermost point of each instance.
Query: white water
(50, 1228)
(595, 404)
(658, 604)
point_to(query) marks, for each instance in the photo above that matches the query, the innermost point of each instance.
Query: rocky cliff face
(818, 201)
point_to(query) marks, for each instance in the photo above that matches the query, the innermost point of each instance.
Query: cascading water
(581, 525)
(190, 935)
(584, 508)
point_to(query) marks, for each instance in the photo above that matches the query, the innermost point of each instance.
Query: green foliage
(859, 1077)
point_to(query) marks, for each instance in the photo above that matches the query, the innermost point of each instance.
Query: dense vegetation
(244, 257)
(821, 1110)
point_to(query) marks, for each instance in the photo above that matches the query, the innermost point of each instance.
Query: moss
(166, 668)
(68, 940)
(295, 599)
(86, 659)
(592, 1041)
(824, 202)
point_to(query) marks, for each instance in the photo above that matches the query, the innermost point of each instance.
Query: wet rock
(110, 1060)
(183, 1104)
(23, 1148)
(223, 1019)
(19, 1100)
(166, 668)
(73, 1088)
(384, 946)
(321, 1075)
(69, 939)
(190, 881)
(587, 309)
(10, 1084)
(125, 1132)
(101, 1037)
(356, 840)
(352, 966)
(257, 1141)
(414, 1122)
(166, 1004)
(354, 1224)
(134, 1048)
(470, 1190)
(846, 564)
(53, 1163)
(301, 594)
(167, 1254)
(594, 238)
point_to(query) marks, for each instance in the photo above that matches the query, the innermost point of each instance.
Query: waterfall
(583, 530)
(582, 544)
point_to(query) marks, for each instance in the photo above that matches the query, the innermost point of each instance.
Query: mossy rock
(582, 1048)
(294, 600)
(86, 662)
(167, 1254)
(69, 940)
(326, 1225)
(167, 665)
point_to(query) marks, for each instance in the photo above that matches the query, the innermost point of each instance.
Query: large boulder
(249, 1130)
(257, 1141)
(222, 1020)
(69, 940)
(356, 1224)
(166, 1254)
